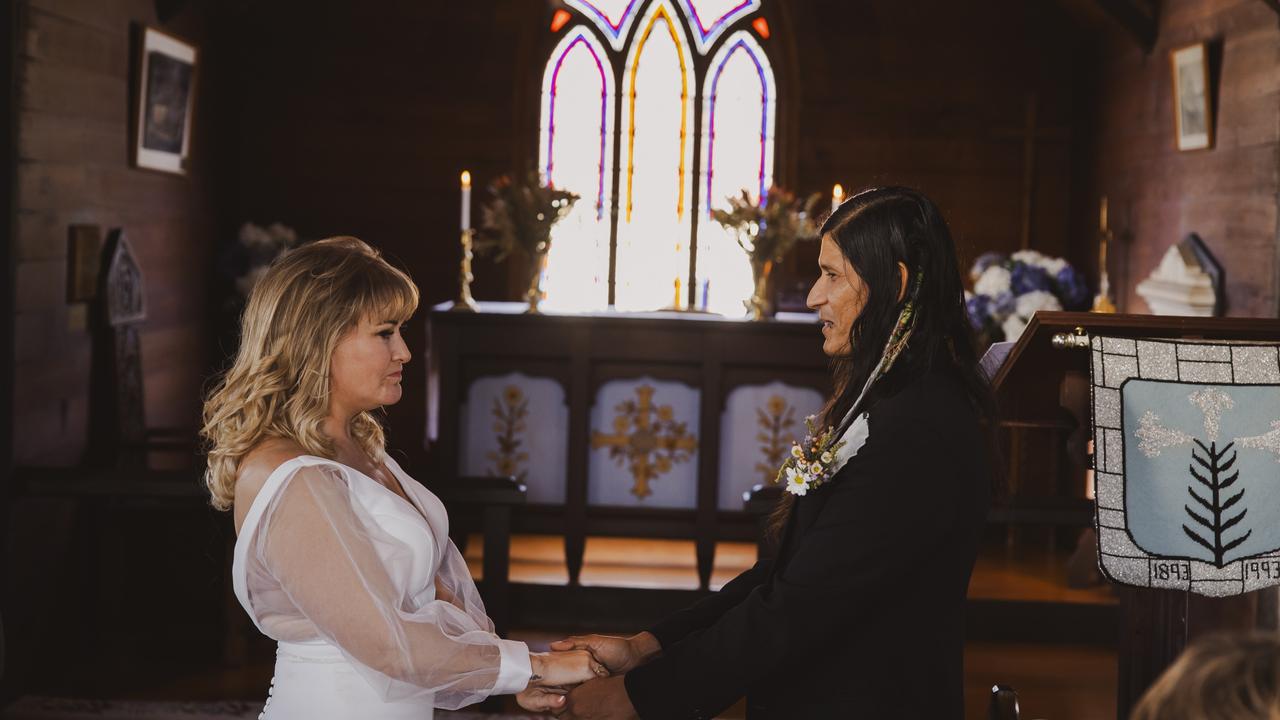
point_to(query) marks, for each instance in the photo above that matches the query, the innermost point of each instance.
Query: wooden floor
(1053, 682)
(1025, 574)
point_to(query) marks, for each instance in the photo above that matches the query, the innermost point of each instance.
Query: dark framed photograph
(1192, 109)
(165, 82)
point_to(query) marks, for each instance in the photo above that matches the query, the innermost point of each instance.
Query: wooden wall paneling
(858, 106)
(580, 399)
(445, 363)
(604, 372)
(72, 109)
(8, 324)
(1227, 193)
(737, 375)
(476, 368)
(710, 403)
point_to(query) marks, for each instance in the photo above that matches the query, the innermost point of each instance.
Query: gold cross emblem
(647, 438)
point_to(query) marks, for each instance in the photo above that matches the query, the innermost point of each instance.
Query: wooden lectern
(1043, 385)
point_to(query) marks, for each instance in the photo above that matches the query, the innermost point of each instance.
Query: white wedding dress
(373, 608)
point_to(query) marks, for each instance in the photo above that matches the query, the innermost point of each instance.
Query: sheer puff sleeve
(320, 567)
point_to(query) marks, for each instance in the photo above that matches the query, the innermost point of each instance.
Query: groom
(859, 613)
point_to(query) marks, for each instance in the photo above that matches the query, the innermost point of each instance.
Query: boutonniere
(816, 460)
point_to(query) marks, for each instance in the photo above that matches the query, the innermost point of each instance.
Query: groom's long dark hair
(875, 230)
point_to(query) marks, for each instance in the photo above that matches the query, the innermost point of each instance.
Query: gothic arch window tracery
(692, 90)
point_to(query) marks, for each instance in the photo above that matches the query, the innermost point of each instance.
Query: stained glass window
(612, 17)
(710, 18)
(576, 153)
(635, 59)
(657, 166)
(738, 103)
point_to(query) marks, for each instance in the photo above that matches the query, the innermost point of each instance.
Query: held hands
(553, 675)
(614, 655)
(618, 654)
(561, 669)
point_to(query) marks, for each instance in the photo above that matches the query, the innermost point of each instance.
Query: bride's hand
(540, 699)
(564, 668)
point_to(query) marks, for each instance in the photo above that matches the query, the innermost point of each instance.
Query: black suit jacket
(861, 613)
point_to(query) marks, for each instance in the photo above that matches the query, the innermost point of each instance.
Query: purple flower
(1071, 289)
(984, 261)
(1026, 278)
(1004, 305)
(979, 309)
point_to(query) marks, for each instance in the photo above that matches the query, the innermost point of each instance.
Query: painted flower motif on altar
(1007, 291)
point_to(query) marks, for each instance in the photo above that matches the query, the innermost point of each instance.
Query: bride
(340, 556)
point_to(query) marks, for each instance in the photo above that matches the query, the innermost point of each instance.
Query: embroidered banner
(1187, 463)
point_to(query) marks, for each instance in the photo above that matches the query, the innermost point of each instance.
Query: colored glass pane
(737, 154)
(612, 17)
(654, 229)
(710, 18)
(575, 153)
(762, 27)
(559, 20)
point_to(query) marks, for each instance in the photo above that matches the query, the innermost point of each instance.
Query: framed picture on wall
(165, 81)
(1192, 109)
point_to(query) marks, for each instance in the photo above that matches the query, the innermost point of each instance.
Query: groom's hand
(618, 654)
(604, 699)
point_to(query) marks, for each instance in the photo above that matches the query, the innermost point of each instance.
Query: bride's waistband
(316, 652)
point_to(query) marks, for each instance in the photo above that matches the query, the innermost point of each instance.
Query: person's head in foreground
(1219, 677)
(319, 342)
(885, 249)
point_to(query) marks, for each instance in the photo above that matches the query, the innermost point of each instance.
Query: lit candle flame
(466, 178)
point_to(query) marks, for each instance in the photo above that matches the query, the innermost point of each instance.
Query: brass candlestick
(1102, 301)
(465, 303)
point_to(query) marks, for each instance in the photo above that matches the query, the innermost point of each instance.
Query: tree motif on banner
(776, 419)
(509, 411)
(647, 439)
(1217, 509)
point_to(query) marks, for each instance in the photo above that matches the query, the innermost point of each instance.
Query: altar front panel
(516, 425)
(673, 462)
(759, 426)
(644, 445)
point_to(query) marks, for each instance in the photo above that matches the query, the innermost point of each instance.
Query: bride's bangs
(388, 294)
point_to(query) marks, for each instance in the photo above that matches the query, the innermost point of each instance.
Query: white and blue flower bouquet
(1008, 290)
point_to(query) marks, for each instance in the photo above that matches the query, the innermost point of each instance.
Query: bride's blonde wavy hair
(278, 385)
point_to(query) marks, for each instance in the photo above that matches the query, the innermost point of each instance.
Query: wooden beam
(1138, 18)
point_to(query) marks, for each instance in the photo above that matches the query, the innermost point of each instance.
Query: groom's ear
(903, 275)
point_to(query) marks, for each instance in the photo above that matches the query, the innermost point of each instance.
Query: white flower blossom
(796, 452)
(1013, 327)
(1029, 303)
(993, 281)
(283, 235)
(1030, 257)
(254, 236)
(1053, 266)
(797, 482)
(826, 458)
